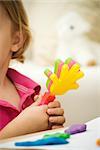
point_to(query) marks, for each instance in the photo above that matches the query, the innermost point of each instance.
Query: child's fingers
(36, 97)
(37, 100)
(55, 111)
(44, 108)
(54, 104)
(57, 119)
(57, 126)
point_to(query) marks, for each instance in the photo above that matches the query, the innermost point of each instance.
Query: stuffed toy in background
(78, 33)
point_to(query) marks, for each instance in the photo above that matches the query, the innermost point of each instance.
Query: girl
(19, 113)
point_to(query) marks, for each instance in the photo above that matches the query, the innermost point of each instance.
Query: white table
(81, 141)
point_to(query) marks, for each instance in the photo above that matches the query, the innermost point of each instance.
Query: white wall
(43, 15)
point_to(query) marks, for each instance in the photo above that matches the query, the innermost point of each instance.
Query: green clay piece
(60, 135)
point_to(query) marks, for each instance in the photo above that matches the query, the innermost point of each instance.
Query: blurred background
(62, 29)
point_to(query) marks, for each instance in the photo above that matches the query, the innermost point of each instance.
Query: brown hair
(18, 16)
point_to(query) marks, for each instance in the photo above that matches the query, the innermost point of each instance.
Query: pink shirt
(26, 88)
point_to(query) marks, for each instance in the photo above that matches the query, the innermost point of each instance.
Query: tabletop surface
(81, 141)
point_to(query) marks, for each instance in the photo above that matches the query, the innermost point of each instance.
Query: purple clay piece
(76, 128)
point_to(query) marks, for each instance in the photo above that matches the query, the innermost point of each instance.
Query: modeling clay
(44, 141)
(98, 142)
(60, 135)
(76, 128)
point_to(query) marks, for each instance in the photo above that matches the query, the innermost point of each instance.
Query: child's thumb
(37, 100)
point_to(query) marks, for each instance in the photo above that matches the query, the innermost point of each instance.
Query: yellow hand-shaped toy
(64, 77)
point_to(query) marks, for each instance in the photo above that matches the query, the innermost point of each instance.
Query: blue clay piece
(41, 142)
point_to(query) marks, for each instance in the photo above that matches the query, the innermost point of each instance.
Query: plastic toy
(76, 128)
(62, 80)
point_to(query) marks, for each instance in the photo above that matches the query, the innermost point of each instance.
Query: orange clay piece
(98, 142)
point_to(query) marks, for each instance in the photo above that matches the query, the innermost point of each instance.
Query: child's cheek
(5, 46)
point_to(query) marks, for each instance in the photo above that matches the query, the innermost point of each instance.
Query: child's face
(5, 37)
(10, 40)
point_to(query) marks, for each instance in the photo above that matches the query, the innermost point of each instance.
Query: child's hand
(32, 119)
(55, 112)
(36, 117)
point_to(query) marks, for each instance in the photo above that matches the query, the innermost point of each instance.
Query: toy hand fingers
(47, 72)
(67, 61)
(79, 75)
(53, 77)
(75, 68)
(74, 86)
(53, 90)
(70, 62)
(58, 66)
(48, 84)
(64, 72)
(72, 73)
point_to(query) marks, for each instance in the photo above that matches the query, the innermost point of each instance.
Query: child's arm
(32, 119)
